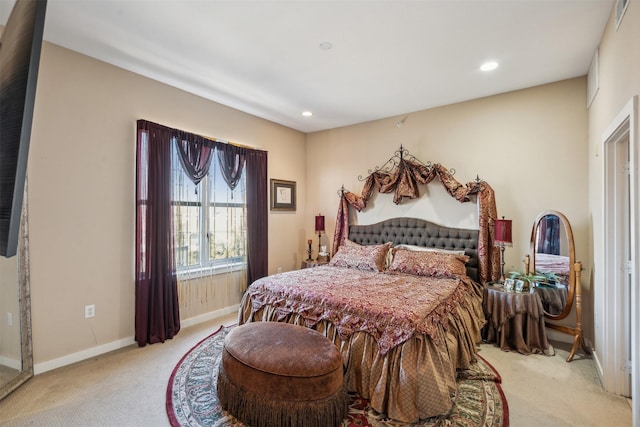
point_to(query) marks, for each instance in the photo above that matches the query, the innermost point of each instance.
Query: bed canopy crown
(401, 175)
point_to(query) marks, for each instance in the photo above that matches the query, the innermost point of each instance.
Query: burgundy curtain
(548, 237)
(195, 155)
(156, 296)
(232, 161)
(157, 317)
(257, 216)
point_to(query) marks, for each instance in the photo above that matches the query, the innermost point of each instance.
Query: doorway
(620, 255)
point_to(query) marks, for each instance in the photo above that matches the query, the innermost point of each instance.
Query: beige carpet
(128, 388)
(547, 391)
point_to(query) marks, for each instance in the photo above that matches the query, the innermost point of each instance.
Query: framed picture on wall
(283, 195)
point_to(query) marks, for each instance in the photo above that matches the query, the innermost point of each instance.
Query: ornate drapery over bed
(402, 179)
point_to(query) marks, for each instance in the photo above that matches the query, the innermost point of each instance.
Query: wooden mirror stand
(553, 253)
(578, 338)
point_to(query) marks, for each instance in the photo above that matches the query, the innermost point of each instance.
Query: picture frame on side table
(283, 195)
(509, 284)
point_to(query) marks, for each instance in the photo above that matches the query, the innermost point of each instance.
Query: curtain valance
(196, 152)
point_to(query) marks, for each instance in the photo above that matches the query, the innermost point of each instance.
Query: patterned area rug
(192, 401)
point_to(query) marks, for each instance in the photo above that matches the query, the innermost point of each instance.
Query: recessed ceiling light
(307, 113)
(488, 66)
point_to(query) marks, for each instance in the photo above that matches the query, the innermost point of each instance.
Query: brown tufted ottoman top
(283, 356)
(282, 372)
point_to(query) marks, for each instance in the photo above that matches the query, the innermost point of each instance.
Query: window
(210, 225)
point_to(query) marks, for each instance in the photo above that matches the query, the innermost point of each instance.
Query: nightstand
(313, 263)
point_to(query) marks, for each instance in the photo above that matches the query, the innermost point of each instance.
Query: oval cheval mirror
(553, 257)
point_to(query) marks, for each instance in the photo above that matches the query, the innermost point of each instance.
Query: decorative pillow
(388, 258)
(429, 263)
(361, 257)
(426, 249)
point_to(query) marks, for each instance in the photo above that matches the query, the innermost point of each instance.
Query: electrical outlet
(9, 319)
(89, 311)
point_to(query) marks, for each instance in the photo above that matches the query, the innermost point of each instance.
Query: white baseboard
(559, 336)
(11, 363)
(185, 323)
(43, 367)
(598, 365)
(79, 356)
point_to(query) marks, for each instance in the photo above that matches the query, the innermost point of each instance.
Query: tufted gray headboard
(413, 231)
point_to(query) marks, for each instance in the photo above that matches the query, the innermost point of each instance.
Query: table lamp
(502, 239)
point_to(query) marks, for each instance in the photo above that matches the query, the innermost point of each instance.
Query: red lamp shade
(319, 223)
(503, 232)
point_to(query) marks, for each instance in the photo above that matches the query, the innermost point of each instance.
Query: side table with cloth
(515, 320)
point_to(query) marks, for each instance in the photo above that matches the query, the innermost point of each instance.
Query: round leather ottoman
(281, 375)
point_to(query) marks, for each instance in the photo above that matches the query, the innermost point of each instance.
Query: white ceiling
(388, 57)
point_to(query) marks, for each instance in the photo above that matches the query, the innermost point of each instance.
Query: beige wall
(82, 192)
(529, 145)
(619, 81)
(536, 147)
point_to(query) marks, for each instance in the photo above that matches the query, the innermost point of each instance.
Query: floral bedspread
(389, 307)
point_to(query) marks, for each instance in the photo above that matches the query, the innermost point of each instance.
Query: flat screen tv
(20, 46)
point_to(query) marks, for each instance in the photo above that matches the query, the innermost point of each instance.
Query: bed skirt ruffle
(414, 380)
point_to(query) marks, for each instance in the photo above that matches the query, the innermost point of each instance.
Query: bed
(404, 323)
